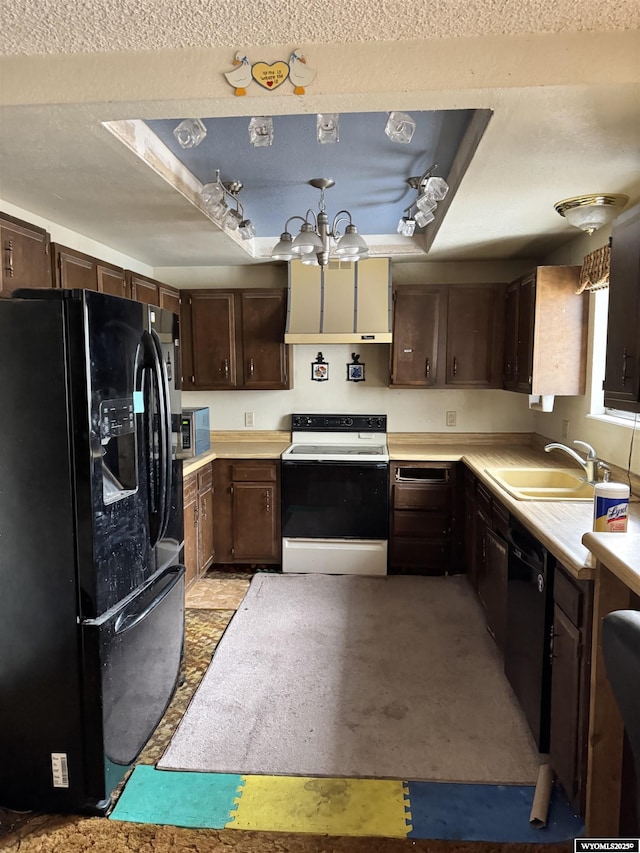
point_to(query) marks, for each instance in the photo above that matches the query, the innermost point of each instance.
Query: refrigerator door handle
(129, 619)
(165, 432)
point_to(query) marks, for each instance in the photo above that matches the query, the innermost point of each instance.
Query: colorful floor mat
(373, 807)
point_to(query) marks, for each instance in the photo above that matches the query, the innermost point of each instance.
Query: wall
(412, 410)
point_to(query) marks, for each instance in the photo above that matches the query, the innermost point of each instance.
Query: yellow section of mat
(325, 806)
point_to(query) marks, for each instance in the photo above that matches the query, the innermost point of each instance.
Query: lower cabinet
(247, 517)
(570, 683)
(487, 554)
(423, 529)
(198, 523)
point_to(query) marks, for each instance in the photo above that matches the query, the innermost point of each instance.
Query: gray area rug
(326, 675)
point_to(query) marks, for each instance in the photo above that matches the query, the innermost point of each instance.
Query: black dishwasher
(527, 662)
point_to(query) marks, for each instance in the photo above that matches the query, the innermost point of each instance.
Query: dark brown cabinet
(416, 324)
(570, 683)
(423, 528)
(198, 523)
(622, 375)
(247, 511)
(26, 259)
(234, 339)
(144, 289)
(73, 269)
(475, 332)
(487, 523)
(545, 333)
(448, 336)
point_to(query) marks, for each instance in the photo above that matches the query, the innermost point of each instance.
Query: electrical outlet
(249, 419)
(451, 418)
(565, 429)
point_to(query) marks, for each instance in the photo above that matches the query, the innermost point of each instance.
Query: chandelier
(214, 198)
(430, 190)
(313, 244)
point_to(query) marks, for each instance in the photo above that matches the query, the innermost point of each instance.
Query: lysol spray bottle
(610, 507)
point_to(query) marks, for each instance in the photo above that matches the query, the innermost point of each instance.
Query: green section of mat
(197, 800)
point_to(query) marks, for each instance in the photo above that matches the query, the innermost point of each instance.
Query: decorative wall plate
(270, 76)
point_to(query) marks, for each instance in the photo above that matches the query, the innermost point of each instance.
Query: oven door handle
(298, 463)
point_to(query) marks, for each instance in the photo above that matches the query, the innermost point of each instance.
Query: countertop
(559, 525)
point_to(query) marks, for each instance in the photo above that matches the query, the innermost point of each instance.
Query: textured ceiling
(32, 27)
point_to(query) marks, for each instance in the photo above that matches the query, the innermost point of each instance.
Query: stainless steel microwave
(194, 437)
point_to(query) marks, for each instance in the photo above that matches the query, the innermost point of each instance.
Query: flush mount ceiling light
(214, 198)
(430, 191)
(313, 243)
(590, 212)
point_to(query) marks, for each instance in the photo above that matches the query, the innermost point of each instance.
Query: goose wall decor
(241, 76)
(299, 73)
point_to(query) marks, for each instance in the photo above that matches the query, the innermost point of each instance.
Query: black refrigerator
(91, 545)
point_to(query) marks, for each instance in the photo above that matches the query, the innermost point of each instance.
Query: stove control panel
(339, 423)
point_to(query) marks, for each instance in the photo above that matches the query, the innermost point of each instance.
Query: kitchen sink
(542, 484)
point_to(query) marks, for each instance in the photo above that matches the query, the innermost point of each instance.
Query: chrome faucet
(590, 464)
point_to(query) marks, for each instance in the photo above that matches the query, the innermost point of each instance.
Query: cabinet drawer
(420, 553)
(190, 489)
(568, 596)
(251, 473)
(205, 478)
(421, 497)
(425, 525)
(500, 519)
(485, 501)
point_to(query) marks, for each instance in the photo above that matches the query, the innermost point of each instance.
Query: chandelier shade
(317, 241)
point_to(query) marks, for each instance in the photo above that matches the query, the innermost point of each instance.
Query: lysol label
(611, 515)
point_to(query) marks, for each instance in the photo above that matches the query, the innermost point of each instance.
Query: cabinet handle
(625, 356)
(251, 367)
(267, 504)
(8, 258)
(427, 368)
(455, 365)
(225, 368)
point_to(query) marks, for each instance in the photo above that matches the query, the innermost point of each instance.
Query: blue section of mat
(200, 800)
(496, 813)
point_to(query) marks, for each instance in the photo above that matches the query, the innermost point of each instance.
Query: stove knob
(347, 421)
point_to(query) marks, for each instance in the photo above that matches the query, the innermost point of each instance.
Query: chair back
(621, 649)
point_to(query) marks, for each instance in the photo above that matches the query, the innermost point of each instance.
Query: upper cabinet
(26, 260)
(234, 339)
(448, 336)
(144, 289)
(545, 348)
(622, 376)
(73, 269)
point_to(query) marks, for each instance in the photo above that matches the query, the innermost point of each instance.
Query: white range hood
(341, 303)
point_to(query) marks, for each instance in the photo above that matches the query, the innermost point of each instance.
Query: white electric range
(335, 495)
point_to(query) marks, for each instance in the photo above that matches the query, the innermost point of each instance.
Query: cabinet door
(565, 698)
(143, 289)
(416, 323)
(470, 528)
(25, 256)
(112, 280)
(169, 298)
(480, 528)
(210, 341)
(205, 519)
(75, 269)
(526, 319)
(264, 353)
(475, 325)
(494, 586)
(510, 369)
(190, 492)
(622, 376)
(254, 522)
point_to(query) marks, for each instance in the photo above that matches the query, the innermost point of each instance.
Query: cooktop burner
(338, 437)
